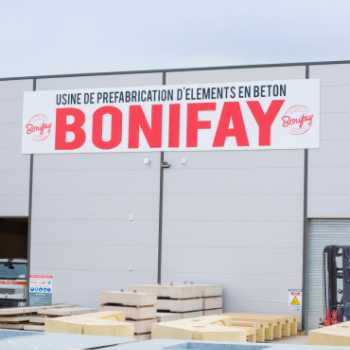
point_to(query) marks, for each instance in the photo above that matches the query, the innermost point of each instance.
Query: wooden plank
(15, 319)
(11, 326)
(28, 309)
(19, 310)
(69, 311)
(34, 328)
(38, 319)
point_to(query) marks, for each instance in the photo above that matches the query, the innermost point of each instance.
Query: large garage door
(322, 232)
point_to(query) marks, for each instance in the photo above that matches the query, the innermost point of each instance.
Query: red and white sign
(207, 117)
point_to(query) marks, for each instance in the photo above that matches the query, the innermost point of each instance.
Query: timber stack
(32, 318)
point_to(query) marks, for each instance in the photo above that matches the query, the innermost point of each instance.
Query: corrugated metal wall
(329, 166)
(14, 169)
(236, 217)
(81, 205)
(229, 217)
(322, 232)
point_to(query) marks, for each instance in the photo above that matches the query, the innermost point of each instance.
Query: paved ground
(294, 339)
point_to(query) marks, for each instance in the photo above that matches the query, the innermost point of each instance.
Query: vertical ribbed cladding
(14, 169)
(236, 217)
(328, 173)
(81, 233)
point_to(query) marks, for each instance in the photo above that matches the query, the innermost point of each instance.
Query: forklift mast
(337, 311)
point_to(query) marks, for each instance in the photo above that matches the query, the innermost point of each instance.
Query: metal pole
(160, 237)
(29, 236)
(306, 236)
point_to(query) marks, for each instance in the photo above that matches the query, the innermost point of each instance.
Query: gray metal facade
(236, 217)
(230, 217)
(14, 167)
(322, 232)
(329, 166)
(81, 208)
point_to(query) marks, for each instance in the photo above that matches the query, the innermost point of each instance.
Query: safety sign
(295, 299)
(40, 290)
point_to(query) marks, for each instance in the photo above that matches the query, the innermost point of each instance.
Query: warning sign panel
(40, 290)
(295, 299)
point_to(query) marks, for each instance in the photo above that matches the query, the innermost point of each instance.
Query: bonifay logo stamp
(39, 127)
(297, 119)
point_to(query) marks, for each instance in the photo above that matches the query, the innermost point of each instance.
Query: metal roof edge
(170, 70)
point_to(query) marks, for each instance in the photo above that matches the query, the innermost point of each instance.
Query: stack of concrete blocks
(140, 309)
(179, 300)
(212, 298)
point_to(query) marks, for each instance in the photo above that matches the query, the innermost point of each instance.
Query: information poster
(40, 290)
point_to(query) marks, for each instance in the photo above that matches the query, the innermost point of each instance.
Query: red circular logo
(39, 127)
(297, 119)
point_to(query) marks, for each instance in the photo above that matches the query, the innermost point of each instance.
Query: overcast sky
(82, 36)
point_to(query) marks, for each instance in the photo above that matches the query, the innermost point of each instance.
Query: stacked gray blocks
(140, 309)
(179, 300)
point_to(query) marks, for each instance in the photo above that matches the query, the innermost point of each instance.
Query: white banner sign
(207, 117)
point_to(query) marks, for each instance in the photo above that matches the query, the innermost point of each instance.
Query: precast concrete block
(143, 326)
(210, 290)
(180, 305)
(191, 314)
(128, 298)
(131, 312)
(168, 316)
(212, 303)
(170, 290)
(212, 312)
(142, 337)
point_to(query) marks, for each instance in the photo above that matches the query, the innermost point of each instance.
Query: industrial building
(255, 221)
